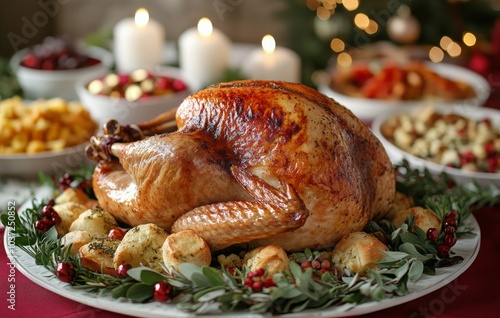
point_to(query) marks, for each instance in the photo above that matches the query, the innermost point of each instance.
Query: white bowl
(28, 166)
(103, 108)
(367, 109)
(58, 83)
(396, 154)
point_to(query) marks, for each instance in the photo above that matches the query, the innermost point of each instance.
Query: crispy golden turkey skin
(255, 162)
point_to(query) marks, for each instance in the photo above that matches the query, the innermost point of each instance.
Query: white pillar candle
(138, 42)
(203, 54)
(272, 63)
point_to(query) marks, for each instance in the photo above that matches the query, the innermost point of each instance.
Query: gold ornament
(403, 27)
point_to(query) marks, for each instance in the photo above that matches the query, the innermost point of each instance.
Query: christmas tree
(320, 30)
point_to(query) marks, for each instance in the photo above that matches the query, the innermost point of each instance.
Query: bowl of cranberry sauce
(133, 97)
(52, 68)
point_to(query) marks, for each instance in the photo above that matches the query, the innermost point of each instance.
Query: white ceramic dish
(367, 109)
(467, 247)
(49, 162)
(397, 155)
(103, 108)
(59, 83)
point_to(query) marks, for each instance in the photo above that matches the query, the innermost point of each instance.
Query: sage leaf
(151, 277)
(188, 269)
(140, 292)
(214, 276)
(120, 291)
(416, 270)
(410, 249)
(209, 294)
(135, 272)
(200, 280)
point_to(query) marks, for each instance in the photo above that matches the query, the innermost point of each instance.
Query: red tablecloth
(473, 294)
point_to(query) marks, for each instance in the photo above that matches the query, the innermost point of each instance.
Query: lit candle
(138, 42)
(272, 63)
(203, 54)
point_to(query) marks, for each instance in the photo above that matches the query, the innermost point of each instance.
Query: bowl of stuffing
(370, 87)
(52, 68)
(45, 135)
(461, 141)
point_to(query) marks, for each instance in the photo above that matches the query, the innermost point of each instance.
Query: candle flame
(268, 44)
(141, 17)
(205, 27)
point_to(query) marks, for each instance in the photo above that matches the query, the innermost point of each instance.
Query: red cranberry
(305, 265)
(492, 165)
(449, 230)
(30, 61)
(257, 286)
(47, 211)
(55, 218)
(65, 271)
(432, 234)
(43, 225)
(260, 272)
(490, 149)
(453, 215)
(316, 264)
(162, 291)
(449, 222)
(325, 264)
(269, 282)
(443, 251)
(450, 239)
(178, 85)
(116, 234)
(122, 269)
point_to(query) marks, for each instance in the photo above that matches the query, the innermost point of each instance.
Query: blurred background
(306, 26)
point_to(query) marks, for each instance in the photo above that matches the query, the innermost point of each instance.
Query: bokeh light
(350, 5)
(344, 59)
(372, 27)
(436, 55)
(337, 45)
(361, 20)
(469, 39)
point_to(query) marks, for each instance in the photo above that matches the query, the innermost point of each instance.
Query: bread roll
(424, 218)
(95, 221)
(185, 247)
(401, 202)
(72, 195)
(141, 246)
(358, 252)
(68, 212)
(272, 258)
(97, 255)
(76, 239)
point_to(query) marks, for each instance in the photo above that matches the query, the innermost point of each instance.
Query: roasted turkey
(254, 162)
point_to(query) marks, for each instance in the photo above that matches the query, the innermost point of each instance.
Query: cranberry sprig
(257, 280)
(50, 218)
(449, 238)
(322, 266)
